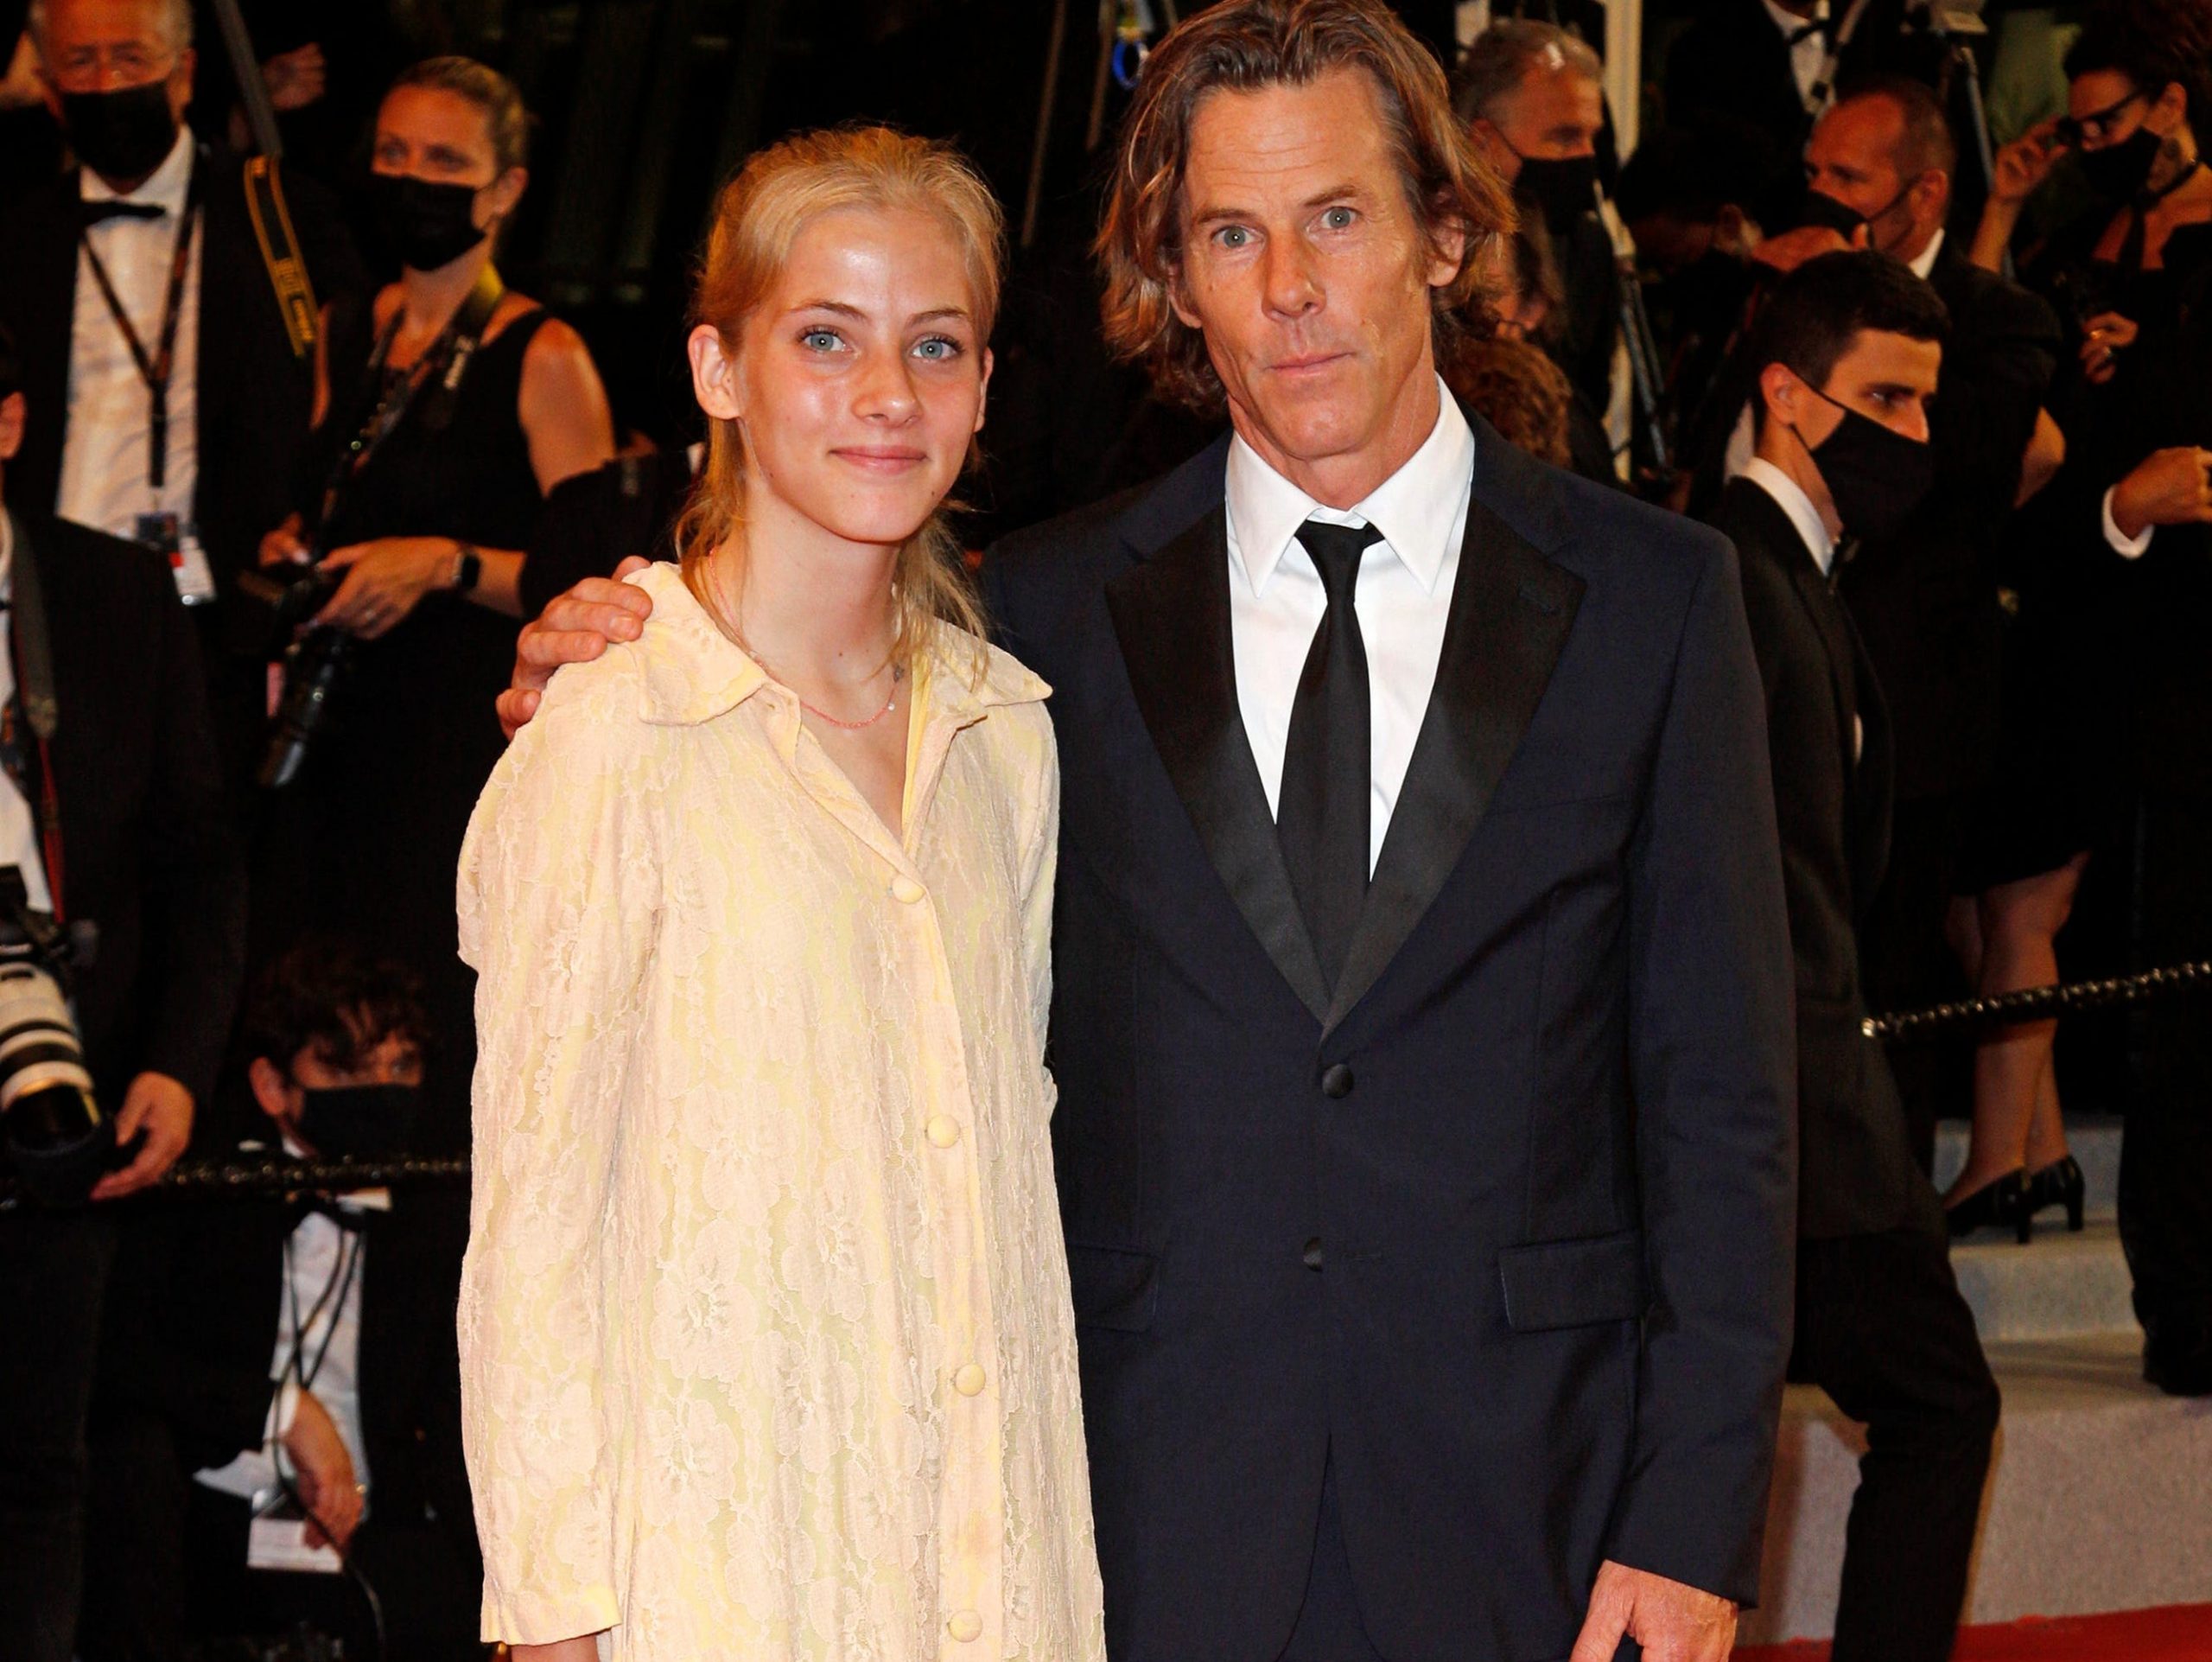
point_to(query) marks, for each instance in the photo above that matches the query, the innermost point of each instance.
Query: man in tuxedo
(1424, 1138)
(307, 1341)
(115, 822)
(1848, 347)
(138, 290)
(1925, 596)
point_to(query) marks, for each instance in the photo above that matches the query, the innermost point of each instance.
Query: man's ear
(180, 78)
(1779, 392)
(1180, 302)
(2171, 106)
(270, 1088)
(1931, 191)
(13, 413)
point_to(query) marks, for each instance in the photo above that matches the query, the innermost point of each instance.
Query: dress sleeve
(1039, 867)
(558, 896)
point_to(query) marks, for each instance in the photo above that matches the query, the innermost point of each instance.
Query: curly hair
(1245, 46)
(329, 997)
(1517, 389)
(2153, 43)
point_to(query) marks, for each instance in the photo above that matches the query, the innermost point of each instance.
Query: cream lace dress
(766, 1344)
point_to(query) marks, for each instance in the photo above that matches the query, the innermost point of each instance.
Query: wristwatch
(468, 566)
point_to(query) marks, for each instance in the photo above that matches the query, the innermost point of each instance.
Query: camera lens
(53, 1132)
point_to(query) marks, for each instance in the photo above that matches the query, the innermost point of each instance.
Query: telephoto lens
(53, 1130)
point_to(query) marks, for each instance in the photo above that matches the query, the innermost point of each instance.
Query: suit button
(969, 1381)
(1335, 1080)
(1313, 1253)
(965, 1625)
(905, 889)
(942, 1130)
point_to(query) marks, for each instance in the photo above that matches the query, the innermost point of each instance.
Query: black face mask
(2119, 173)
(367, 1120)
(427, 225)
(1564, 188)
(124, 134)
(1875, 477)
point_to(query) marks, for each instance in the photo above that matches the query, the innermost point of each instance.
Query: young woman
(427, 490)
(766, 1340)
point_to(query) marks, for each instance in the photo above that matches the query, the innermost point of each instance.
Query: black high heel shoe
(2002, 1201)
(2060, 1183)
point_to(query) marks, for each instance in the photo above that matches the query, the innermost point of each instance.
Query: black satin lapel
(1171, 615)
(1511, 611)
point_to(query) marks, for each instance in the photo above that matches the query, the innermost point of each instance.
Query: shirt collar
(1798, 505)
(1925, 262)
(166, 189)
(1414, 508)
(694, 673)
(1789, 21)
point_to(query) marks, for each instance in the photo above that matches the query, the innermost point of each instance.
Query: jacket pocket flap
(1573, 1283)
(1113, 1286)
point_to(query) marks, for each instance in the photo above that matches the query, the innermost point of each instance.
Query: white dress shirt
(19, 841)
(105, 453)
(1807, 56)
(1403, 599)
(316, 1261)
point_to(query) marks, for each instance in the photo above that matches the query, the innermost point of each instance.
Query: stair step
(2096, 1501)
(2057, 1286)
(2093, 1139)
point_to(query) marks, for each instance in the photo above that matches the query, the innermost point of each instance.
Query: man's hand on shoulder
(1673, 1621)
(574, 628)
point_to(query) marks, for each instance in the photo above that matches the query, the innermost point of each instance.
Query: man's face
(1304, 267)
(1851, 157)
(282, 1093)
(1554, 115)
(1885, 377)
(105, 46)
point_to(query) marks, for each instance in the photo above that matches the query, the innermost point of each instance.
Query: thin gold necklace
(889, 704)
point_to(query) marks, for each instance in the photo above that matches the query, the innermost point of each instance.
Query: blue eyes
(1338, 219)
(934, 349)
(1237, 236)
(1233, 236)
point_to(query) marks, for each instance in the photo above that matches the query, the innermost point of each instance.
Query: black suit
(148, 859)
(1926, 602)
(184, 1385)
(1496, 1232)
(1880, 1324)
(253, 398)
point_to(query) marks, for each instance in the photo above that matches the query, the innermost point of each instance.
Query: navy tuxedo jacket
(1501, 1227)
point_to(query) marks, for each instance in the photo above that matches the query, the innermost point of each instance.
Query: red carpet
(2180, 1632)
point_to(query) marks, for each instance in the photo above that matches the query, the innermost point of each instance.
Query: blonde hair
(1244, 46)
(757, 219)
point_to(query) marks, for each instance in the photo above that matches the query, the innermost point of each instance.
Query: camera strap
(156, 367)
(33, 655)
(280, 253)
(440, 369)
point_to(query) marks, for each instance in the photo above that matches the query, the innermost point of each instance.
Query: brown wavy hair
(1245, 46)
(758, 218)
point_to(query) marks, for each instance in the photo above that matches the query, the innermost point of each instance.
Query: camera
(51, 1128)
(279, 602)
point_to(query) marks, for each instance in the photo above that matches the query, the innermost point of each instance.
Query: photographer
(113, 818)
(291, 1360)
(449, 408)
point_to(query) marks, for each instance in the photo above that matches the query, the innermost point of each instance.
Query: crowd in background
(434, 457)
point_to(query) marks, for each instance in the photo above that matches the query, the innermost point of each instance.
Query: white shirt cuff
(283, 1408)
(2128, 548)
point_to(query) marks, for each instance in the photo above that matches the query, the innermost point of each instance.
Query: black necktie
(115, 208)
(1321, 812)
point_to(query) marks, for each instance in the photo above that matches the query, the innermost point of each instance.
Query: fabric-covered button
(969, 1381)
(1336, 1081)
(905, 889)
(942, 1130)
(965, 1625)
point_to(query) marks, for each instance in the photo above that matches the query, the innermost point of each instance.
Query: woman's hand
(585, 1649)
(283, 546)
(383, 580)
(2102, 338)
(2024, 164)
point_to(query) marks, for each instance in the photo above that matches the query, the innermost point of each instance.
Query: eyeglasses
(2095, 129)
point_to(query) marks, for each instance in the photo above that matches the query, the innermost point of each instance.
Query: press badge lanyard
(154, 369)
(332, 1298)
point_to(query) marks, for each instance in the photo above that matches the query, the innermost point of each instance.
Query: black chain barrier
(216, 1179)
(2039, 1004)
